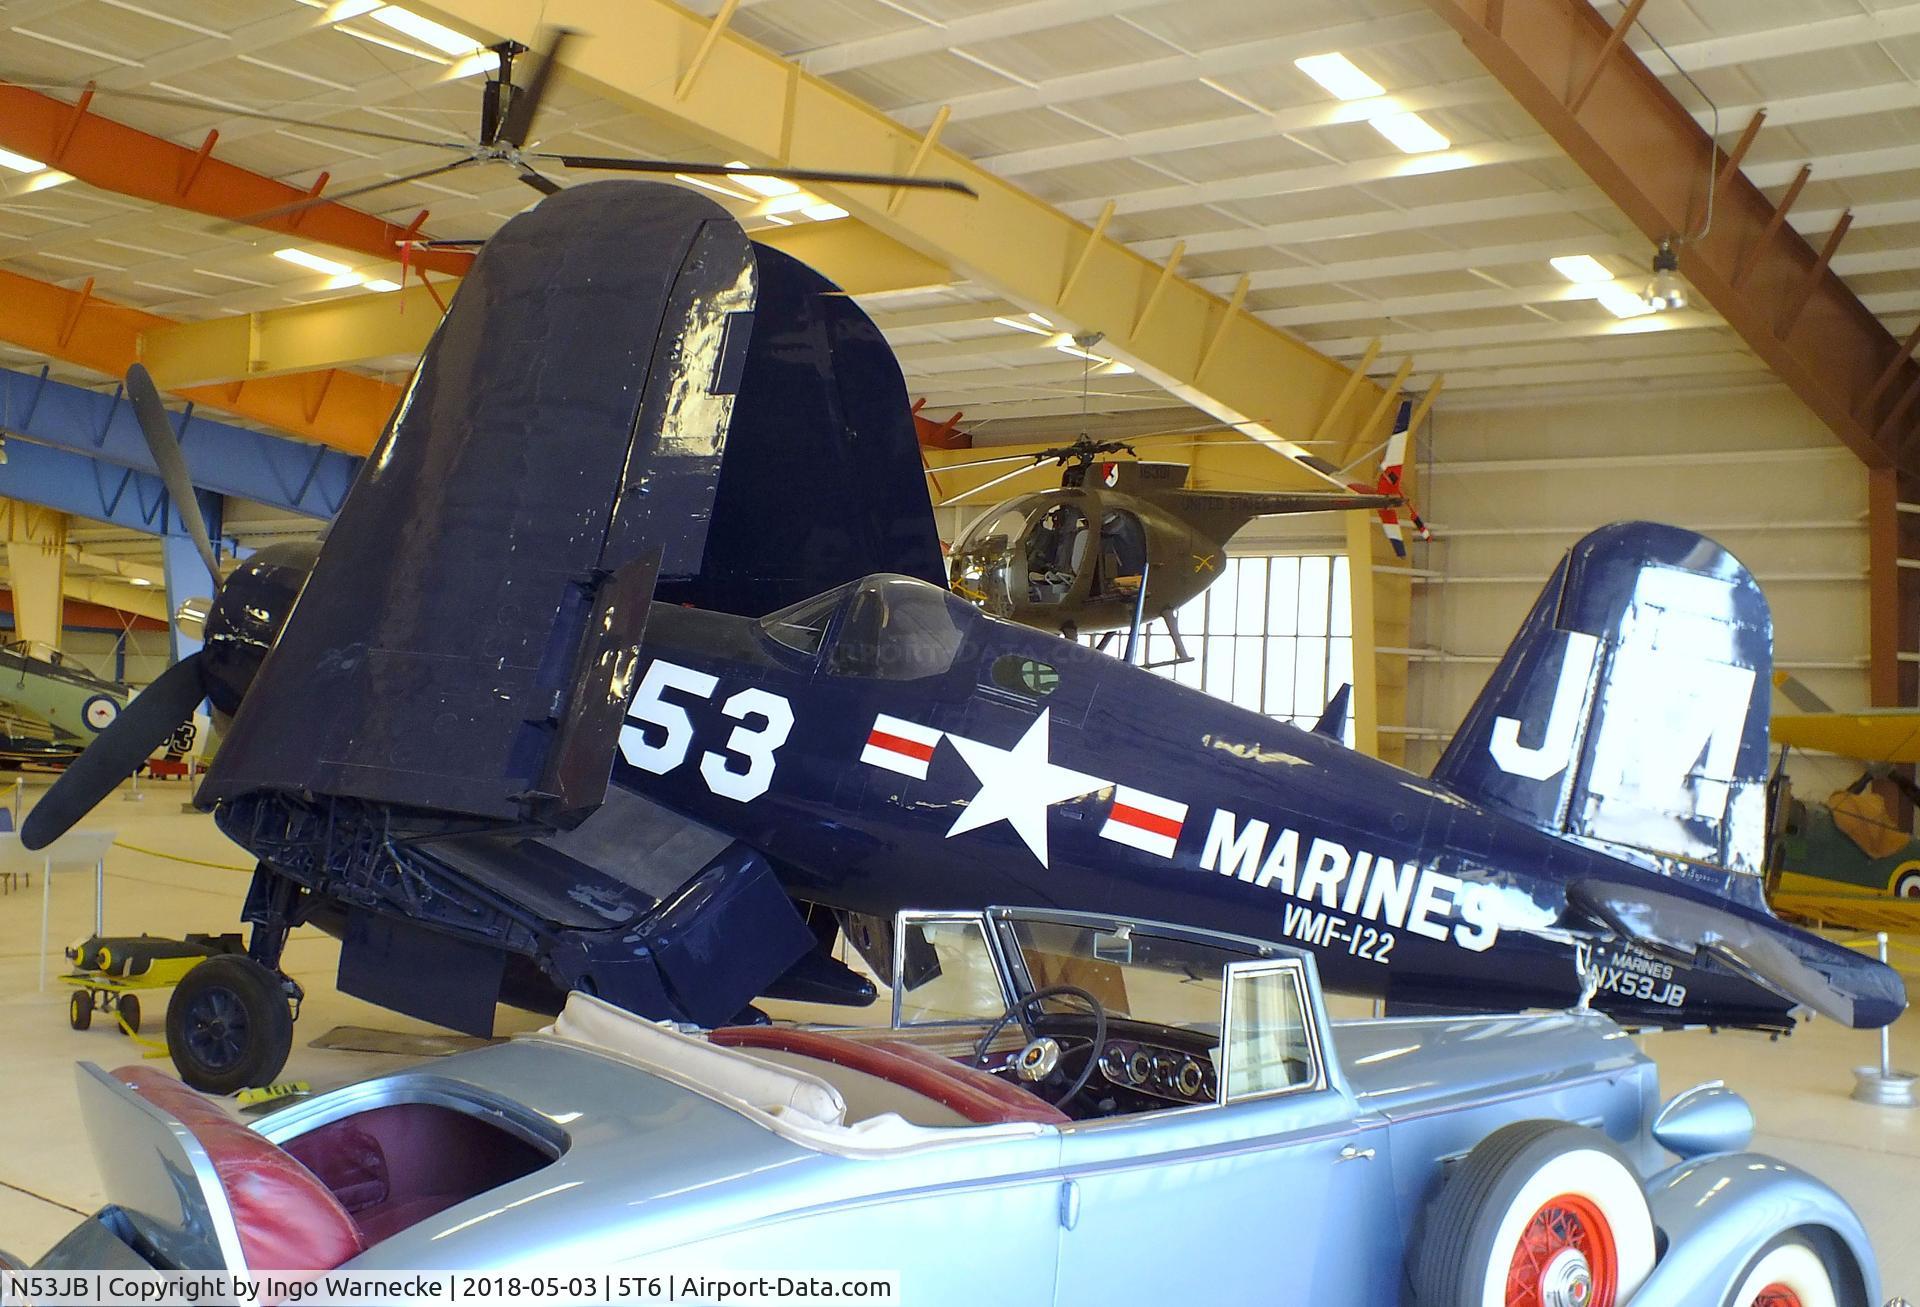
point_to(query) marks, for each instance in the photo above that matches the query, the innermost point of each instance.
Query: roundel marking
(99, 712)
(1906, 881)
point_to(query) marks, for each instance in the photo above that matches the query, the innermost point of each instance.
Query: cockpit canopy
(1036, 550)
(885, 627)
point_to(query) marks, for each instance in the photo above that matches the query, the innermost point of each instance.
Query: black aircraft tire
(229, 1026)
(80, 1010)
(129, 1009)
(1509, 1207)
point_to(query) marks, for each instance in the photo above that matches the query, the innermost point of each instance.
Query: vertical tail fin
(1631, 709)
(1393, 459)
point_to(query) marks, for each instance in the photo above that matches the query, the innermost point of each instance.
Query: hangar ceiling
(1192, 118)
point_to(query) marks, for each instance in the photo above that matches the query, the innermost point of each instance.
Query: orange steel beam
(1644, 150)
(128, 161)
(339, 409)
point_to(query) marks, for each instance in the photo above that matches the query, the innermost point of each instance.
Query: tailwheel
(1787, 1274)
(1539, 1214)
(229, 1025)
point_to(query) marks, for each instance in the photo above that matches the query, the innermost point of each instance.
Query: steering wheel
(1046, 1053)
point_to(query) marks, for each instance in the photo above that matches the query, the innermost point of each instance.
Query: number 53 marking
(753, 745)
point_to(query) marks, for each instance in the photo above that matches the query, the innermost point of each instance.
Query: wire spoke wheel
(1565, 1258)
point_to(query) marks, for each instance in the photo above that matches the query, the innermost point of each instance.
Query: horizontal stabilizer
(1680, 928)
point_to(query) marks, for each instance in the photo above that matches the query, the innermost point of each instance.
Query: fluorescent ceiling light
(1079, 353)
(342, 280)
(138, 580)
(1116, 368)
(767, 186)
(1581, 267)
(1027, 327)
(1338, 75)
(19, 162)
(382, 285)
(1623, 303)
(824, 212)
(1042, 321)
(1410, 132)
(778, 221)
(341, 10)
(313, 262)
(408, 23)
(707, 185)
(795, 199)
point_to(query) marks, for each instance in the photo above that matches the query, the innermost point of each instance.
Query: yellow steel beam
(753, 104)
(304, 338)
(117, 594)
(354, 329)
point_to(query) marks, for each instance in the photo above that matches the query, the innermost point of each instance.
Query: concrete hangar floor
(156, 883)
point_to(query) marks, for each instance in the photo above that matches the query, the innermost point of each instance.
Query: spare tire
(1540, 1212)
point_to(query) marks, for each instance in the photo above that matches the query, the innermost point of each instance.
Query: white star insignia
(1018, 785)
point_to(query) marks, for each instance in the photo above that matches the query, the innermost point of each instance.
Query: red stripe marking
(1141, 819)
(897, 744)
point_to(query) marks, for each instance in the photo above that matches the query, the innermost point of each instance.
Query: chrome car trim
(415, 1087)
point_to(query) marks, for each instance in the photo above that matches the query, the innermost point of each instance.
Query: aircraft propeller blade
(164, 446)
(116, 753)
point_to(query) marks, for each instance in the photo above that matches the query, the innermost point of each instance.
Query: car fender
(1714, 1214)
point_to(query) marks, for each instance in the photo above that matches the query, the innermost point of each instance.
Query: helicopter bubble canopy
(1034, 551)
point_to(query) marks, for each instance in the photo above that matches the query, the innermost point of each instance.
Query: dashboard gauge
(1189, 1081)
(1140, 1068)
(1113, 1063)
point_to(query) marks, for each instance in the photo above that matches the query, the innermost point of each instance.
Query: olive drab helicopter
(1123, 543)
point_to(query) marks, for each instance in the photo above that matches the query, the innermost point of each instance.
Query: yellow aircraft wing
(1875, 735)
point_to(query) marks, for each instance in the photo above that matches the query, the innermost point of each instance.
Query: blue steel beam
(87, 487)
(221, 458)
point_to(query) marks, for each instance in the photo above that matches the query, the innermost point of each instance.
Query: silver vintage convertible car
(1065, 1108)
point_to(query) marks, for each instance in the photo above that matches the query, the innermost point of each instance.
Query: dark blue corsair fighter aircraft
(529, 728)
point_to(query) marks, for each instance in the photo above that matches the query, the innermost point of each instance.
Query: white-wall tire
(1789, 1274)
(1566, 1192)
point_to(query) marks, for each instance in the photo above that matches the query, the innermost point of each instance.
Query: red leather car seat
(974, 1094)
(288, 1220)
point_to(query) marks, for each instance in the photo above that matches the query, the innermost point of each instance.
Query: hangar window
(1273, 634)
(898, 629)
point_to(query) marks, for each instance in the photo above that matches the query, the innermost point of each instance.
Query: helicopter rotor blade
(335, 197)
(985, 485)
(518, 123)
(826, 176)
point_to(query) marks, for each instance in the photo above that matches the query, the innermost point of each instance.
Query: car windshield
(1134, 973)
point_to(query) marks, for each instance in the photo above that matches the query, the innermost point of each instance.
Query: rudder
(1631, 708)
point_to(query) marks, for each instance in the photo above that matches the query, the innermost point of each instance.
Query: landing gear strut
(230, 1023)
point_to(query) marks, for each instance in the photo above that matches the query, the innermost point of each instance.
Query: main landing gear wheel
(229, 1025)
(1540, 1214)
(80, 1010)
(1789, 1274)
